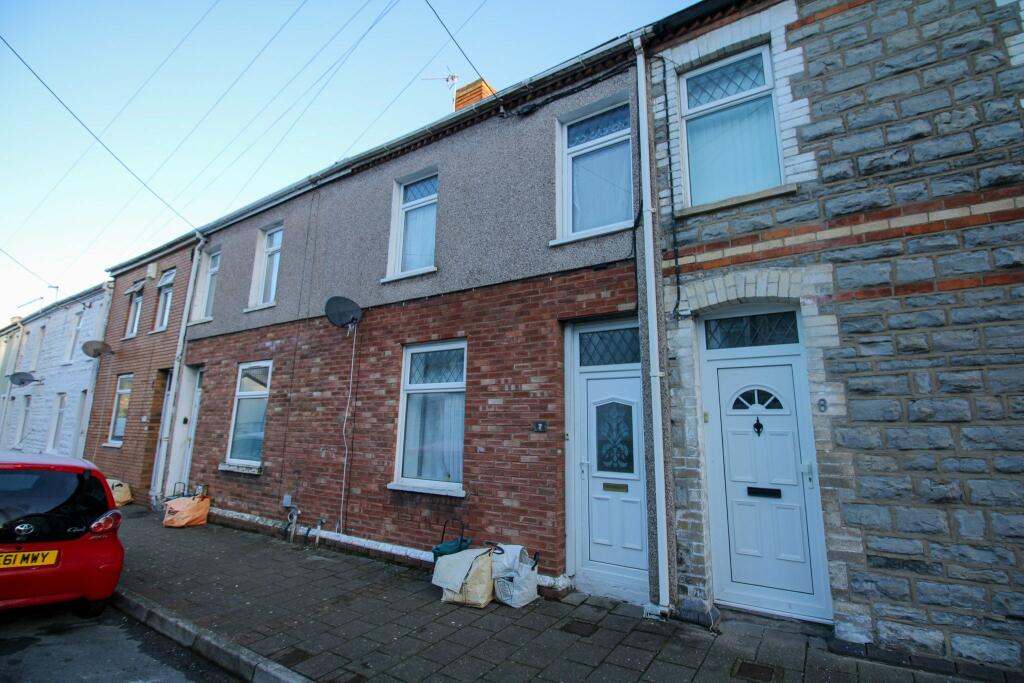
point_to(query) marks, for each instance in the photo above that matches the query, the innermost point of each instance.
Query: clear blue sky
(96, 54)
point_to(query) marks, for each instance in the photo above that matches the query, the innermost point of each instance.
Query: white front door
(766, 521)
(611, 504)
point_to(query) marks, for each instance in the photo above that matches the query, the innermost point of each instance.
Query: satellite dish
(342, 312)
(95, 348)
(20, 379)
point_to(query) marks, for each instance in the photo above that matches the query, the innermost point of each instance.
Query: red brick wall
(148, 356)
(515, 357)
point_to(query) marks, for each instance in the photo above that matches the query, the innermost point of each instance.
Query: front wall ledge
(590, 234)
(240, 469)
(199, 321)
(779, 191)
(429, 490)
(259, 307)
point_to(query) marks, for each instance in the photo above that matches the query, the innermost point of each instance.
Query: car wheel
(88, 609)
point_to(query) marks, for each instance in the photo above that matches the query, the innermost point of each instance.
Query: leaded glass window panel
(757, 398)
(766, 329)
(420, 189)
(725, 81)
(598, 126)
(614, 422)
(437, 367)
(610, 347)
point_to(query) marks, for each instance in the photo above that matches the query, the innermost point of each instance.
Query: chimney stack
(470, 94)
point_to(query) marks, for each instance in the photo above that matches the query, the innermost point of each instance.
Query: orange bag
(182, 512)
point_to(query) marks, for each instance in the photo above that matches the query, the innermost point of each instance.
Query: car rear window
(58, 506)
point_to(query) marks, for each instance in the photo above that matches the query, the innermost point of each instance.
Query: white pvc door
(767, 510)
(611, 497)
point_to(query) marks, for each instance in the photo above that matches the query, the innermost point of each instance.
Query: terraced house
(48, 410)
(841, 207)
(497, 372)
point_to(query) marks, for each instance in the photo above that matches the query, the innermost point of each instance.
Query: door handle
(584, 464)
(807, 469)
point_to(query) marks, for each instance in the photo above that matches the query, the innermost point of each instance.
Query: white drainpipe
(156, 492)
(650, 278)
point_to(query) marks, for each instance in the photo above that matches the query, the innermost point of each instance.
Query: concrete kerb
(230, 656)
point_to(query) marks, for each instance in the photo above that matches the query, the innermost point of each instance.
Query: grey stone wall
(914, 121)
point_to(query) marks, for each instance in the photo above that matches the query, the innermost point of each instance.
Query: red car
(58, 533)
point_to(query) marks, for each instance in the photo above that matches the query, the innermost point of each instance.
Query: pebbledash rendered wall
(901, 238)
(148, 356)
(514, 478)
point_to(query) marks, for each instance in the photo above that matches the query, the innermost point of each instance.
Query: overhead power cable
(113, 120)
(99, 234)
(145, 231)
(316, 95)
(452, 36)
(26, 268)
(409, 84)
(95, 137)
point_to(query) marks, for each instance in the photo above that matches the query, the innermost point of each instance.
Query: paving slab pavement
(333, 616)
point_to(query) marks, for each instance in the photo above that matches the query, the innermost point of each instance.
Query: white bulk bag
(465, 577)
(515, 576)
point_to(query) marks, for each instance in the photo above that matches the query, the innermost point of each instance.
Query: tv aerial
(450, 78)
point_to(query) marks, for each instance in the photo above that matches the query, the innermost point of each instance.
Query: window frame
(212, 272)
(78, 319)
(265, 253)
(398, 212)
(22, 431)
(238, 394)
(427, 485)
(37, 354)
(164, 299)
(686, 113)
(564, 231)
(60, 405)
(113, 440)
(135, 292)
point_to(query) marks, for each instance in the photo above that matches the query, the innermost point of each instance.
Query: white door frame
(576, 440)
(819, 608)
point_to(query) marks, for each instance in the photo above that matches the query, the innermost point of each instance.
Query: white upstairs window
(134, 294)
(432, 416)
(731, 131)
(40, 338)
(249, 414)
(212, 269)
(269, 264)
(76, 334)
(414, 228)
(597, 174)
(165, 294)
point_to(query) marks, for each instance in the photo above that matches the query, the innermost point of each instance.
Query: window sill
(259, 307)
(779, 191)
(199, 321)
(576, 237)
(158, 331)
(112, 444)
(129, 336)
(429, 490)
(240, 469)
(408, 274)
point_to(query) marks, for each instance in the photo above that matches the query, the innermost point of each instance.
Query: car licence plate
(35, 558)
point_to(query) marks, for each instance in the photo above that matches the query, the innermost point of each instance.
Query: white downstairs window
(731, 129)
(165, 295)
(249, 414)
(22, 432)
(597, 174)
(119, 420)
(432, 416)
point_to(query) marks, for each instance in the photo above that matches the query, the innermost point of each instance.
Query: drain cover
(754, 672)
(580, 628)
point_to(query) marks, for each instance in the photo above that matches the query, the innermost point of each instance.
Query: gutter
(161, 468)
(654, 351)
